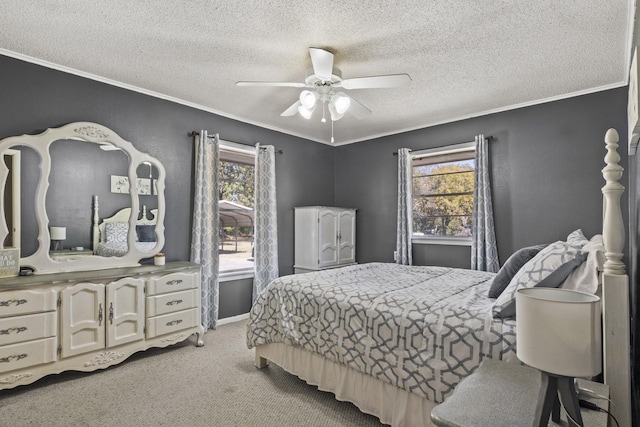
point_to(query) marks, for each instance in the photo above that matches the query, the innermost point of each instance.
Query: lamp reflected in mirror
(58, 235)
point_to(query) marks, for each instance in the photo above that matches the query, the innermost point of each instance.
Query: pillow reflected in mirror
(146, 233)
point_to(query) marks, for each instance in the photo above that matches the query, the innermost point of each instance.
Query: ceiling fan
(323, 86)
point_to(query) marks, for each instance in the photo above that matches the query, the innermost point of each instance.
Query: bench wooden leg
(260, 362)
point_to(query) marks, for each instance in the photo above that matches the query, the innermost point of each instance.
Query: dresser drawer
(171, 302)
(23, 302)
(17, 329)
(172, 282)
(173, 322)
(31, 353)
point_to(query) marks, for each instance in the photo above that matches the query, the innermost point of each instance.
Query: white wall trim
(450, 241)
(235, 275)
(233, 319)
(448, 149)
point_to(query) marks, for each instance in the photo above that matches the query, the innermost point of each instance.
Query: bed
(110, 235)
(395, 340)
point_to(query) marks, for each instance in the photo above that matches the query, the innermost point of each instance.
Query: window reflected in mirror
(22, 168)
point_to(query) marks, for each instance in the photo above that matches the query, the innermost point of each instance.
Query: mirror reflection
(80, 170)
(146, 237)
(23, 169)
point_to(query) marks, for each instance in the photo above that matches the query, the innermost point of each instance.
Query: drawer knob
(174, 302)
(7, 303)
(17, 330)
(174, 322)
(11, 358)
(174, 282)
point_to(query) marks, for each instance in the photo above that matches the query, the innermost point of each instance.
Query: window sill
(449, 241)
(228, 276)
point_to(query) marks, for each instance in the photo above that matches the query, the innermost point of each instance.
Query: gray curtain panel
(204, 235)
(484, 251)
(405, 208)
(266, 220)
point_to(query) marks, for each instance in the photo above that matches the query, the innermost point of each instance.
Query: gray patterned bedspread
(422, 329)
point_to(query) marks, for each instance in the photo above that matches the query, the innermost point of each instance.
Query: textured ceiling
(466, 58)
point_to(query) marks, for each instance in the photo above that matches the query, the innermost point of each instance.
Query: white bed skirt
(392, 405)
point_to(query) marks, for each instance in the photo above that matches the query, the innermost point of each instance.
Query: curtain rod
(488, 138)
(196, 133)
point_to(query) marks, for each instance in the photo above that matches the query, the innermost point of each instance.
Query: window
(443, 181)
(236, 195)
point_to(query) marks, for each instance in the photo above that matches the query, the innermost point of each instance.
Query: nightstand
(505, 394)
(68, 254)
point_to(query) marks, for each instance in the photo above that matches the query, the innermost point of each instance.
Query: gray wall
(545, 164)
(35, 98)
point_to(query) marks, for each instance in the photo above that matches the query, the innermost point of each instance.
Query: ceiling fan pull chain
(332, 140)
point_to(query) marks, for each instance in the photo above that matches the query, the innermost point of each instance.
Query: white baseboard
(233, 319)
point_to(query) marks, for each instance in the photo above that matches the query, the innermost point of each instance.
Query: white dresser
(91, 320)
(325, 237)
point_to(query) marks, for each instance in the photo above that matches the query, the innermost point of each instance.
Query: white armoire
(325, 237)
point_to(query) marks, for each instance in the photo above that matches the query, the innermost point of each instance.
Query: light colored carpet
(214, 385)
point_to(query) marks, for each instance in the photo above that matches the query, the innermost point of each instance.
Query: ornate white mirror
(69, 203)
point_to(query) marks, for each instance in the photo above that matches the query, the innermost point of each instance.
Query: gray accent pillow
(549, 268)
(511, 267)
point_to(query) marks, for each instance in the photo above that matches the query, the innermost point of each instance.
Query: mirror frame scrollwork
(41, 260)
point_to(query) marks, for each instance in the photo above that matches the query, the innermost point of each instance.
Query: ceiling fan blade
(392, 80)
(280, 84)
(356, 109)
(292, 110)
(322, 61)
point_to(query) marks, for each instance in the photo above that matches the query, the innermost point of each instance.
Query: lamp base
(57, 245)
(554, 386)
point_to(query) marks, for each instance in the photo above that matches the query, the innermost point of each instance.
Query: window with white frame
(443, 181)
(236, 197)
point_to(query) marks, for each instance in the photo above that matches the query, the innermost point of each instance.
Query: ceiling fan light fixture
(306, 112)
(308, 99)
(341, 103)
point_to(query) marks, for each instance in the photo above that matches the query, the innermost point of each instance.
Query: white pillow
(577, 238)
(549, 268)
(586, 278)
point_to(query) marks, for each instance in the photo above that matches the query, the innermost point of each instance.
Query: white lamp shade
(308, 99)
(341, 103)
(305, 112)
(559, 331)
(58, 233)
(335, 116)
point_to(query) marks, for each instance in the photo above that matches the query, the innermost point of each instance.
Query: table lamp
(58, 234)
(559, 333)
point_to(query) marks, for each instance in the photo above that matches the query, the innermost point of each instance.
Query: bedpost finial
(611, 137)
(613, 233)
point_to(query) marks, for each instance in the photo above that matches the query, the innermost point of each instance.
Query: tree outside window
(443, 195)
